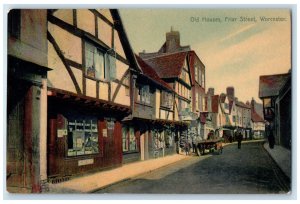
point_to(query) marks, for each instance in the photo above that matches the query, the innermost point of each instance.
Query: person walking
(239, 140)
(187, 148)
(271, 140)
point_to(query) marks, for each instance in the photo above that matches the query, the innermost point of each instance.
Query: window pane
(99, 65)
(132, 140)
(89, 59)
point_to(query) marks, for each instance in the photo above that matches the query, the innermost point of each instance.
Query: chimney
(211, 91)
(230, 92)
(172, 40)
(253, 104)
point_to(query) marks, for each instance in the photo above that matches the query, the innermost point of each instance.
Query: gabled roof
(270, 85)
(169, 65)
(124, 39)
(215, 103)
(256, 118)
(149, 72)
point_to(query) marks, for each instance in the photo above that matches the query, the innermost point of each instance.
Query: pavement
(282, 157)
(103, 179)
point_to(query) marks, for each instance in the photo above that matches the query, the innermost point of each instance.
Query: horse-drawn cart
(209, 144)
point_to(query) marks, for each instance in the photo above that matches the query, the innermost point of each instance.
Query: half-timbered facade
(89, 90)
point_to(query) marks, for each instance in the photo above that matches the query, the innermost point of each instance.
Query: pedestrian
(187, 148)
(239, 139)
(271, 139)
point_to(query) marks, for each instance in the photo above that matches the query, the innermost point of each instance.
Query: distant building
(275, 91)
(257, 121)
(182, 69)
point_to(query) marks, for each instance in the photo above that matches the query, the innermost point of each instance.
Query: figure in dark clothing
(187, 148)
(239, 139)
(271, 139)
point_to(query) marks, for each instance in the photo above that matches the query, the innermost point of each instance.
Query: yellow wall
(65, 15)
(104, 32)
(58, 77)
(71, 47)
(86, 20)
(103, 91)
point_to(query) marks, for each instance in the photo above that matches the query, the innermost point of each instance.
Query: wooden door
(15, 146)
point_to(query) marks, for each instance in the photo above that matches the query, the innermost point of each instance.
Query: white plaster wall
(121, 97)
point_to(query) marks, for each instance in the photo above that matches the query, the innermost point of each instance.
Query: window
(128, 139)
(82, 137)
(233, 118)
(226, 106)
(203, 104)
(144, 94)
(166, 100)
(202, 81)
(197, 101)
(99, 65)
(14, 23)
(196, 74)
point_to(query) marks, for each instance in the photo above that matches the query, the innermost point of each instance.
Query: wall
(67, 58)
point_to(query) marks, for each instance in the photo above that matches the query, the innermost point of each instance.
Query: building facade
(26, 101)
(89, 90)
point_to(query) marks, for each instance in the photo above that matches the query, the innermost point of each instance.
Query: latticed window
(144, 94)
(166, 100)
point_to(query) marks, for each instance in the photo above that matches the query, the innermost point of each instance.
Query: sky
(235, 53)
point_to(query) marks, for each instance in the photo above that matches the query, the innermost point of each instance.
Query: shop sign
(61, 132)
(85, 162)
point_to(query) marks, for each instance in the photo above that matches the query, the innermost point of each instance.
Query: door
(15, 146)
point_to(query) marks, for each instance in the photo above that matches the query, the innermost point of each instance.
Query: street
(248, 170)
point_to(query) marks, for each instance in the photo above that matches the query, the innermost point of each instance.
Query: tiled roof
(256, 118)
(270, 85)
(241, 104)
(150, 72)
(169, 65)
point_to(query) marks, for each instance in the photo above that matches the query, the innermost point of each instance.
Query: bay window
(143, 95)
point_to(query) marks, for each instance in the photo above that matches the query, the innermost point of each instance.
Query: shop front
(82, 137)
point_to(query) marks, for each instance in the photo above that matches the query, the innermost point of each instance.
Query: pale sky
(234, 53)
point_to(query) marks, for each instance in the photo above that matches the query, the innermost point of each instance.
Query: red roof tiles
(256, 118)
(270, 85)
(168, 66)
(149, 72)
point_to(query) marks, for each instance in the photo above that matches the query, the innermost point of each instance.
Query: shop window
(99, 65)
(168, 138)
(158, 140)
(129, 142)
(166, 100)
(144, 94)
(82, 137)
